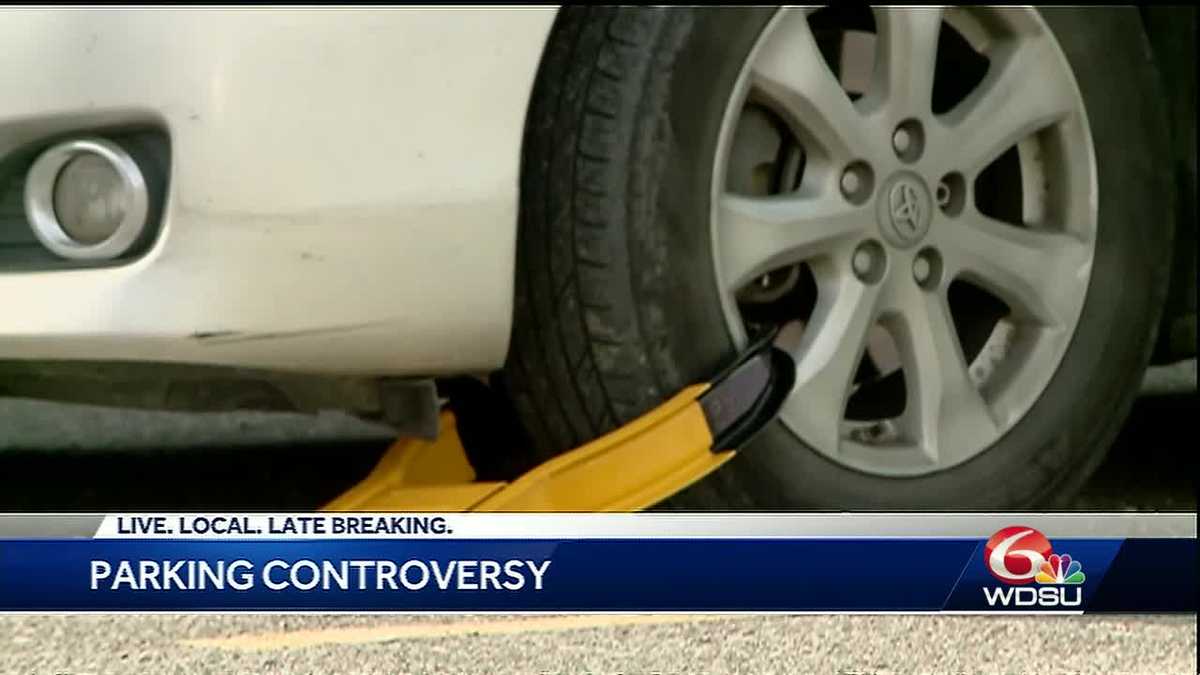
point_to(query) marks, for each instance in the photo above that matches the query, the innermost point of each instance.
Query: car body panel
(343, 190)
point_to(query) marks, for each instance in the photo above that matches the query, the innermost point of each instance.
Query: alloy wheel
(924, 237)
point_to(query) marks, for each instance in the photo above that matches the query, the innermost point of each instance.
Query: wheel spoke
(826, 358)
(1016, 98)
(905, 58)
(757, 234)
(945, 411)
(791, 70)
(1040, 275)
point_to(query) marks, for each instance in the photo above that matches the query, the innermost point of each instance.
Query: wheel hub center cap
(904, 209)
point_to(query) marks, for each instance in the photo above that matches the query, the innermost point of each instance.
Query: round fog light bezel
(40, 184)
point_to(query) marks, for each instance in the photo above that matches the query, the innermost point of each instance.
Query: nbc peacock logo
(1060, 569)
(1020, 555)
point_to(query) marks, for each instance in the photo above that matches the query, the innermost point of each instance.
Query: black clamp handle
(749, 393)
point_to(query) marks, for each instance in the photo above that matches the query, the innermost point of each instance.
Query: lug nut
(908, 140)
(921, 269)
(857, 182)
(901, 141)
(851, 182)
(927, 268)
(943, 194)
(862, 262)
(951, 193)
(868, 262)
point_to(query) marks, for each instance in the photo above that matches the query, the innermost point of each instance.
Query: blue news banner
(581, 562)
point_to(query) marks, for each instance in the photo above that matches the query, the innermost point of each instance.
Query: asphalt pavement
(598, 645)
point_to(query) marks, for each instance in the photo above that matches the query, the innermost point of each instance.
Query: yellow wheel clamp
(629, 469)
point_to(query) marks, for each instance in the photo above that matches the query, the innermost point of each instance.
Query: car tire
(617, 306)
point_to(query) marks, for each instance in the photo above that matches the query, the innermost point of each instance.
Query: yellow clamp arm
(631, 468)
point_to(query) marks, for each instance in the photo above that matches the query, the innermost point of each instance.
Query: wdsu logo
(1020, 556)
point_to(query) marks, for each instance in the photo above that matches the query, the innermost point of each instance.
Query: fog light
(86, 199)
(90, 199)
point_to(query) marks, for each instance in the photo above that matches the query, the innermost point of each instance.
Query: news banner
(656, 562)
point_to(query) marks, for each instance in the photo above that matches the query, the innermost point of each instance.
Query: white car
(961, 221)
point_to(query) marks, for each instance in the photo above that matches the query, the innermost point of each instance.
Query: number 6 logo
(1014, 554)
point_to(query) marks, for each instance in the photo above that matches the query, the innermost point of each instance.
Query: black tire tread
(572, 354)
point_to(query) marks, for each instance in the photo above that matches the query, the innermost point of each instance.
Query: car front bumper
(342, 194)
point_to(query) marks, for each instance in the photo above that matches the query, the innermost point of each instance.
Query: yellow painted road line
(357, 635)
